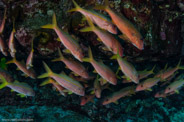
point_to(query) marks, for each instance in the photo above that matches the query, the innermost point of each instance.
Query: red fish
(167, 73)
(145, 73)
(65, 81)
(127, 68)
(75, 66)
(86, 99)
(163, 95)
(119, 94)
(103, 70)
(70, 43)
(3, 22)
(174, 86)
(129, 31)
(108, 39)
(22, 88)
(3, 47)
(22, 67)
(147, 84)
(11, 44)
(55, 84)
(96, 18)
(29, 62)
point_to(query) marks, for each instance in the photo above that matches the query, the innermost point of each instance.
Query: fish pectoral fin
(12, 90)
(70, 92)
(102, 81)
(92, 92)
(177, 91)
(94, 71)
(124, 37)
(47, 81)
(58, 39)
(116, 102)
(149, 89)
(67, 51)
(17, 69)
(25, 75)
(75, 74)
(99, 39)
(21, 95)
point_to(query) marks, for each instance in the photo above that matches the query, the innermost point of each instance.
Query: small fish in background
(109, 40)
(104, 71)
(174, 86)
(75, 66)
(146, 73)
(147, 84)
(162, 94)
(129, 31)
(3, 47)
(65, 81)
(55, 84)
(96, 18)
(169, 72)
(11, 42)
(97, 87)
(68, 41)
(114, 97)
(127, 68)
(87, 98)
(3, 22)
(168, 80)
(23, 88)
(22, 66)
(29, 62)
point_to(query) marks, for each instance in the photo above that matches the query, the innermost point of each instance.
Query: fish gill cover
(116, 60)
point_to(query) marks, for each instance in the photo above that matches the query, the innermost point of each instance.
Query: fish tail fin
(53, 25)
(13, 25)
(4, 82)
(61, 57)
(48, 71)
(11, 61)
(87, 29)
(47, 81)
(90, 56)
(151, 71)
(102, 7)
(77, 7)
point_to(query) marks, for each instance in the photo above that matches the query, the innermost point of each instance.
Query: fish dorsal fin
(21, 95)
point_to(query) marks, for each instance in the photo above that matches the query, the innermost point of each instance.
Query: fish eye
(169, 88)
(142, 85)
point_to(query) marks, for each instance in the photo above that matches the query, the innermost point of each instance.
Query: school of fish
(77, 81)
